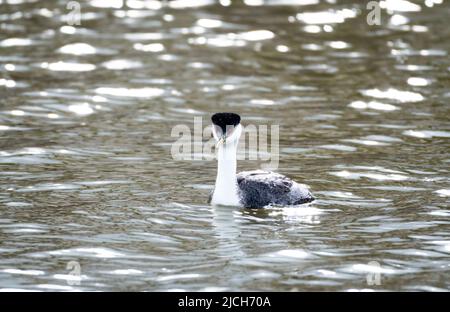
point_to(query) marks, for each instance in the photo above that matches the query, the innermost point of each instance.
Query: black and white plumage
(261, 188)
(250, 189)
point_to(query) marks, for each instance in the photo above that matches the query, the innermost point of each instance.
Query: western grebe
(250, 189)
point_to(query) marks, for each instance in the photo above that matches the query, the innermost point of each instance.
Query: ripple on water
(178, 277)
(11, 128)
(299, 215)
(27, 160)
(427, 134)
(233, 39)
(373, 267)
(81, 109)
(145, 92)
(339, 147)
(78, 49)
(389, 226)
(409, 52)
(144, 36)
(290, 253)
(18, 290)
(326, 17)
(68, 66)
(56, 287)
(151, 47)
(262, 102)
(88, 252)
(18, 204)
(21, 228)
(209, 23)
(393, 94)
(17, 42)
(126, 272)
(418, 81)
(256, 35)
(43, 187)
(9, 83)
(426, 288)
(70, 277)
(91, 178)
(382, 138)
(183, 4)
(113, 4)
(121, 64)
(374, 176)
(23, 272)
(373, 105)
(443, 192)
(339, 194)
(221, 41)
(365, 142)
(414, 68)
(400, 6)
(416, 253)
(440, 245)
(102, 182)
(439, 213)
(284, 256)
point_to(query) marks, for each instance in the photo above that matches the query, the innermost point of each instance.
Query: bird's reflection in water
(230, 222)
(227, 231)
(301, 214)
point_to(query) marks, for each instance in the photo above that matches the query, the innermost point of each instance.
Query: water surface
(87, 177)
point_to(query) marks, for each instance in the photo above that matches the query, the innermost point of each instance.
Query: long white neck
(226, 189)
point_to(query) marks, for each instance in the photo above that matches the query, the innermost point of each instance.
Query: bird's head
(226, 128)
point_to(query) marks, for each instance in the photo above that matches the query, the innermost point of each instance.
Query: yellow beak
(221, 141)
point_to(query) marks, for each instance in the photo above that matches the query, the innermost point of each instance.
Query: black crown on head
(225, 119)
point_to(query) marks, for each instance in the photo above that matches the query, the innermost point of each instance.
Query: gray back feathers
(261, 188)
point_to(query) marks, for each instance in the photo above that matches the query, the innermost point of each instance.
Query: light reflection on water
(87, 175)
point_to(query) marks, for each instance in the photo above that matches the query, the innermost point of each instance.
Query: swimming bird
(250, 189)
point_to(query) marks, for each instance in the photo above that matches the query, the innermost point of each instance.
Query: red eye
(230, 130)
